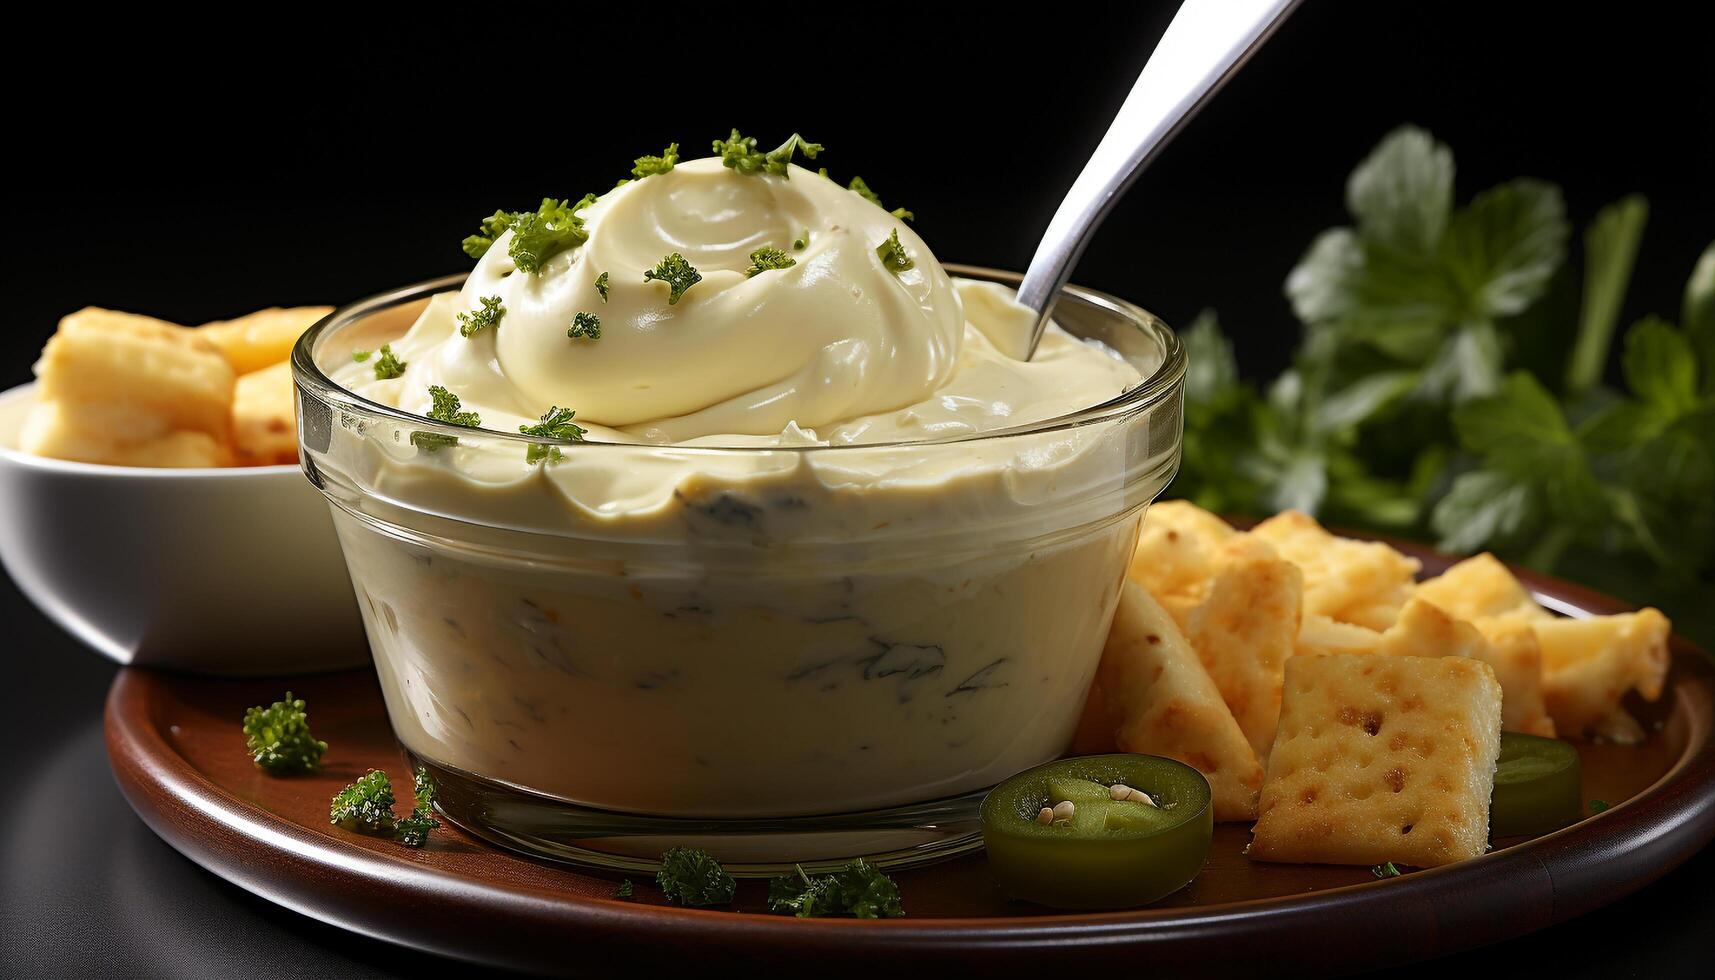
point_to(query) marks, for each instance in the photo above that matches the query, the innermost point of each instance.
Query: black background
(206, 176)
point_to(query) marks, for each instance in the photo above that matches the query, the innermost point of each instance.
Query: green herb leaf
(1660, 366)
(476, 321)
(739, 153)
(388, 366)
(360, 355)
(446, 408)
(768, 259)
(677, 273)
(556, 424)
(1597, 806)
(278, 738)
(1402, 193)
(651, 166)
(413, 831)
(802, 242)
(601, 286)
(493, 226)
(585, 325)
(893, 254)
(625, 889)
(691, 876)
(858, 889)
(1610, 251)
(365, 806)
(1385, 870)
(552, 228)
(1503, 247)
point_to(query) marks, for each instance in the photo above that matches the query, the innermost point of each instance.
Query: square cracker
(1246, 629)
(1381, 759)
(1508, 645)
(1154, 697)
(1177, 554)
(1360, 582)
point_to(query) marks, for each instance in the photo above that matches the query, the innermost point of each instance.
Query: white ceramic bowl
(219, 571)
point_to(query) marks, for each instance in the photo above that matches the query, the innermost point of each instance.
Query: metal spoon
(1204, 45)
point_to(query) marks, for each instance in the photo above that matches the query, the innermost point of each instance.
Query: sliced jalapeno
(1103, 851)
(1538, 786)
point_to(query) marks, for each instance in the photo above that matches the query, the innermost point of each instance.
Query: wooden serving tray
(179, 758)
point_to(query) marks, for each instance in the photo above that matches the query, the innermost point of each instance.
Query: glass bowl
(781, 654)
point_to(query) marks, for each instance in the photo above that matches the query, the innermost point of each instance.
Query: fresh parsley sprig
(1450, 383)
(585, 324)
(738, 152)
(552, 228)
(767, 260)
(488, 315)
(444, 407)
(858, 889)
(493, 226)
(691, 876)
(278, 738)
(677, 273)
(366, 806)
(648, 166)
(601, 286)
(556, 423)
(893, 254)
(388, 365)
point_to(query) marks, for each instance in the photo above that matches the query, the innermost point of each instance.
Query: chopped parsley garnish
(477, 321)
(585, 325)
(691, 876)
(366, 806)
(650, 166)
(387, 365)
(278, 738)
(767, 259)
(556, 424)
(477, 245)
(446, 409)
(802, 242)
(1596, 806)
(678, 274)
(858, 889)
(414, 829)
(1385, 870)
(625, 889)
(551, 229)
(601, 286)
(361, 355)
(893, 254)
(862, 190)
(740, 153)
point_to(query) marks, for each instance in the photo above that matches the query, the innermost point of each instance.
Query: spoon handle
(1204, 45)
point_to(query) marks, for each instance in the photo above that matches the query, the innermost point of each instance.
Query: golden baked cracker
(1424, 629)
(1162, 702)
(264, 420)
(1246, 629)
(1517, 658)
(1381, 759)
(1479, 588)
(265, 337)
(1361, 582)
(164, 374)
(1176, 553)
(1319, 634)
(1508, 645)
(1590, 664)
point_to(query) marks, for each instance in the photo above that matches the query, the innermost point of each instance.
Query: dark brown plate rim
(1507, 893)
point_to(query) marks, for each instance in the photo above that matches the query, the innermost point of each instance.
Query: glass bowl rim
(1152, 391)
